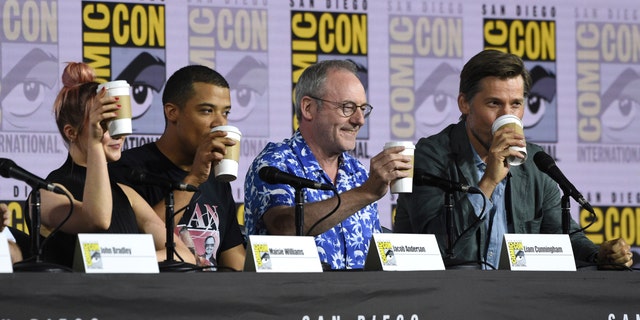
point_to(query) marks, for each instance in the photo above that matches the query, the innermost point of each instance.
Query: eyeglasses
(348, 107)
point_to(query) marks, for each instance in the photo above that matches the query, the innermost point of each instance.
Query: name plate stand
(115, 253)
(6, 266)
(282, 254)
(403, 252)
(537, 252)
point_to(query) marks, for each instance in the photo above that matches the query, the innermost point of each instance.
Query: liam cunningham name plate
(537, 252)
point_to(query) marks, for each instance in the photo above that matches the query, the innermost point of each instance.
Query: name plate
(282, 254)
(537, 252)
(403, 252)
(5, 256)
(115, 253)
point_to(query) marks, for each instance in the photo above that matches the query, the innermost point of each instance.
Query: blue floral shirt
(345, 245)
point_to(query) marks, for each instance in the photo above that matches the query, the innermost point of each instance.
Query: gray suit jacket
(532, 198)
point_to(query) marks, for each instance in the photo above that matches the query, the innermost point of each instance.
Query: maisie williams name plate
(115, 253)
(5, 256)
(537, 252)
(403, 252)
(282, 254)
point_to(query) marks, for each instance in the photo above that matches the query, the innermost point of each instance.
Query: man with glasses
(209, 257)
(330, 107)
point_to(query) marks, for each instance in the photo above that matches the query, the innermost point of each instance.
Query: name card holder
(5, 256)
(537, 252)
(282, 254)
(403, 252)
(115, 253)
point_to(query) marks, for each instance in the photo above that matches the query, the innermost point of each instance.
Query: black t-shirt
(210, 213)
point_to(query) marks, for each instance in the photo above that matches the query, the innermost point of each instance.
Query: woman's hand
(103, 108)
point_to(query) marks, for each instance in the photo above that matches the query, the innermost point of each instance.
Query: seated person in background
(196, 99)
(99, 205)
(14, 249)
(330, 106)
(520, 199)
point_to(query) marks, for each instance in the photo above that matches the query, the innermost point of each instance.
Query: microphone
(546, 164)
(142, 177)
(421, 178)
(10, 169)
(273, 175)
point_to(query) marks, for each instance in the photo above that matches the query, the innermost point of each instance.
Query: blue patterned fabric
(342, 247)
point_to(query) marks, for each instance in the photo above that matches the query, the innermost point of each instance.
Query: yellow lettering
(96, 16)
(120, 29)
(612, 218)
(156, 26)
(627, 220)
(496, 34)
(594, 232)
(139, 26)
(99, 61)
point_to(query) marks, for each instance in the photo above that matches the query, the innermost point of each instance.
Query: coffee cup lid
(504, 119)
(114, 84)
(405, 144)
(227, 128)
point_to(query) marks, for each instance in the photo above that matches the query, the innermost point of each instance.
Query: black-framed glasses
(348, 107)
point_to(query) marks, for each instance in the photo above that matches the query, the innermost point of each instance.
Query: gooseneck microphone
(10, 169)
(421, 178)
(274, 175)
(141, 177)
(546, 164)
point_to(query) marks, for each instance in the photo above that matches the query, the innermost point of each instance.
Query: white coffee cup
(227, 169)
(515, 122)
(403, 185)
(121, 125)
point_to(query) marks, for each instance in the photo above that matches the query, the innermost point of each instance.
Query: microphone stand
(38, 265)
(448, 211)
(450, 261)
(566, 214)
(299, 212)
(170, 264)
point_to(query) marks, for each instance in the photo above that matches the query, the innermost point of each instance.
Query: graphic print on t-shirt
(199, 230)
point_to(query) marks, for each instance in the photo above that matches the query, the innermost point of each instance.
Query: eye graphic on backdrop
(25, 87)
(146, 75)
(620, 103)
(248, 80)
(542, 93)
(436, 100)
(141, 99)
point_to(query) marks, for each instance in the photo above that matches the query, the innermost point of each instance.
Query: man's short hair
(492, 63)
(179, 87)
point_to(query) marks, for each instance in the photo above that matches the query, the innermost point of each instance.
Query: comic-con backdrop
(583, 55)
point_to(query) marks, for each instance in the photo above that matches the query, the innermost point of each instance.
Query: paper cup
(121, 125)
(403, 185)
(509, 120)
(227, 169)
